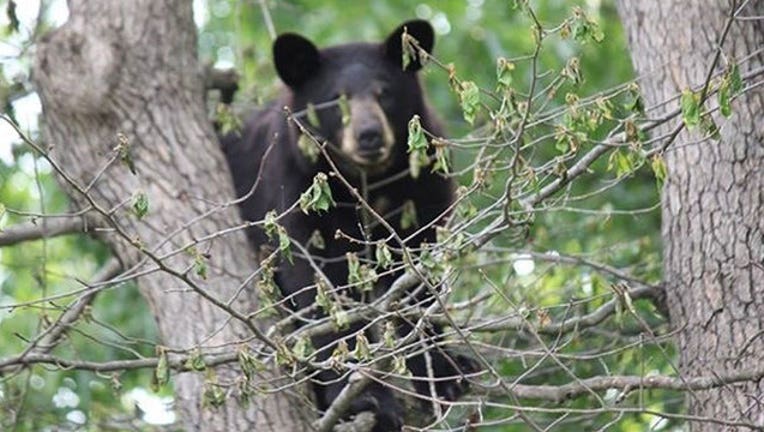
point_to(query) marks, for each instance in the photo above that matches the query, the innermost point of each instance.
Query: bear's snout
(368, 139)
(371, 142)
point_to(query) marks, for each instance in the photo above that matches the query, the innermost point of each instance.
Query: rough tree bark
(713, 228)
(130, 67)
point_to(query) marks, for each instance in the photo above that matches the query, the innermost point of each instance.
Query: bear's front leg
(375, 398)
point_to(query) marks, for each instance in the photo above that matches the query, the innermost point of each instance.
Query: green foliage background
(471, 35)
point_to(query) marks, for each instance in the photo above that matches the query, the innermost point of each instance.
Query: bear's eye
(384, 95)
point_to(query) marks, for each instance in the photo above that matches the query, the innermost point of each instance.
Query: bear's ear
(296, 59)
(418, 29)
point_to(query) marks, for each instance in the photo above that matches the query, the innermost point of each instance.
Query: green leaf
(273, 229)
(659, 169)
(585, 29)
(322, 299)
(200, 265)
(633, 133)
(383, 255)
(605, 108)
(360, 275)
(302, 348)
(390, 335)
(417, 160)
(312, 116)
(723, 96)
(284, 243)
(561, 144)
(580, 30)
(269, 224)
(308, 148)
(406, 54)
(622, 162)
(266, 283)
(344, 109)
(284, 356)
(249, 363)
(339, 317)
(125, 156)
(504, 70)
(736, 81)
(340, 353)
(572, 71)
(417, 146)
(196, 361)
(408, 215)
(140, 204)
(399, 365)
(690, 103)
(162, 370)
(441, 156)
(597, 34)
(227, 120)
(470, 100)
(318, 197)
(362, 349)
(214, 395)
(624, 165)
(316, 240)
(353, 266)
(417, 139)
(709, 127)
(634, 102)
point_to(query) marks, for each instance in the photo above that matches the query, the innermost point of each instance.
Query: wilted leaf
(469, 95)
(318, 197)
(362, 349)
(308, 148)
(383, 255)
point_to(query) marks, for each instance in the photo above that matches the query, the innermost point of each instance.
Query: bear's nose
(370, 141)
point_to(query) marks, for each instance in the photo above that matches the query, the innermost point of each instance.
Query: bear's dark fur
(382, 97)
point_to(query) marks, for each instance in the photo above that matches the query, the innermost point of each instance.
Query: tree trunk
(130, 67)
(713, 228)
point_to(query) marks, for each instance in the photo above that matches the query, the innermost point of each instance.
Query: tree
(712, 222)
(548, 281)
(124, 114)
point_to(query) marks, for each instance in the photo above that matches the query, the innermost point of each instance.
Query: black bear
(360, 98)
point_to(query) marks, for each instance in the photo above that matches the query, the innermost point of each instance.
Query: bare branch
(626, 383)
(51, 336)
(33, 230)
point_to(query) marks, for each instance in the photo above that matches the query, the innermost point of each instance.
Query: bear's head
(379, 95)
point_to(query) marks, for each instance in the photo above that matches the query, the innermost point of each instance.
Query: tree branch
(553, 393)
(518, 323)
(35, 230)
(627, 383)
(50, 337)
